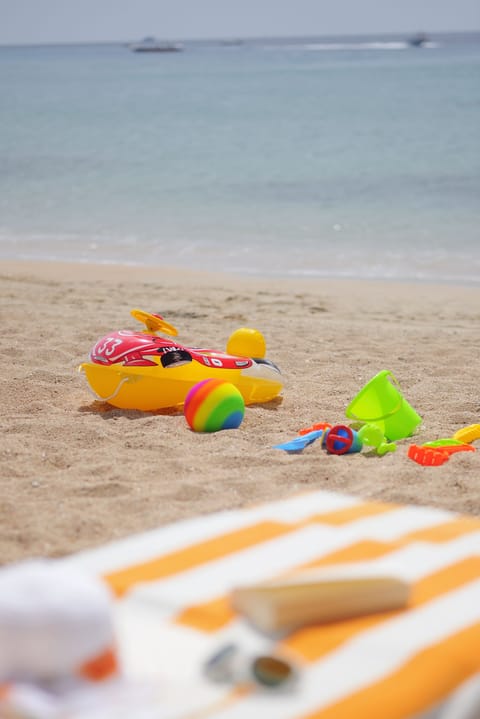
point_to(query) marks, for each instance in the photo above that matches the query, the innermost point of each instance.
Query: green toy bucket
(381, 403)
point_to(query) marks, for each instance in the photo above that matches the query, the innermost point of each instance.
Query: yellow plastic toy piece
(247, 342)
(468, 434)
(154, 323)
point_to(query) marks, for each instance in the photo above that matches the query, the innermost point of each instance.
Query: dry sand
(75, 473)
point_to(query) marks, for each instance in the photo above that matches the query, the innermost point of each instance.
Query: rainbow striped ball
(214, 404)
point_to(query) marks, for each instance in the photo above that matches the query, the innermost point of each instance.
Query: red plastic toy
(435, 456)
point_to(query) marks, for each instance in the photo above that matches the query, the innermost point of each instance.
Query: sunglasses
(267, 671)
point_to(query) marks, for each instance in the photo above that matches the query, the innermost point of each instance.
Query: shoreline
(177, 270)
(75, 473)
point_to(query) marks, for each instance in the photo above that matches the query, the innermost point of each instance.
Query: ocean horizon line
(394, 34)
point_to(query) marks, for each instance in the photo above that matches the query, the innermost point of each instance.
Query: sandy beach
(75, 473)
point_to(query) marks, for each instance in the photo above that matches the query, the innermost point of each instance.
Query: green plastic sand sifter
(380, 402)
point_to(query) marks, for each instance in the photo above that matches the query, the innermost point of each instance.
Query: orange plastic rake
(435, 456)
(315, 427)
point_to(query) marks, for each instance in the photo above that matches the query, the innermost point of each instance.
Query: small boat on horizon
(418, 40)
(151, 44)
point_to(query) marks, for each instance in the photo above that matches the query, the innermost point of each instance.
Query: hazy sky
(24, 21)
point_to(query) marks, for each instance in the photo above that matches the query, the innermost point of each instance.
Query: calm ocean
(338, 157)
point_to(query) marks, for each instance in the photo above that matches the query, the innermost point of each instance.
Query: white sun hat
(55, 622)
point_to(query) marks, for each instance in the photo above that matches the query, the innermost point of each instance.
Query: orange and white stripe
(173, 586)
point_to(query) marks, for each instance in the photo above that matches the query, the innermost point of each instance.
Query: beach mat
(173, 607)
(172, 611)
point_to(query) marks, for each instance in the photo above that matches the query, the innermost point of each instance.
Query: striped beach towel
(172, 611)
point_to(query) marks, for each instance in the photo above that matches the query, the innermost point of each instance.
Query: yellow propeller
(154, 323)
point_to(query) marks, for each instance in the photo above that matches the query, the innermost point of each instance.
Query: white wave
(397, 45)
(335, 46)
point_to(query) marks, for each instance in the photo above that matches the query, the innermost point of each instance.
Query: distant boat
(418, 40)
(151, 44)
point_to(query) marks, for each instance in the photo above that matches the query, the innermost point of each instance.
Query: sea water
(305, 157)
